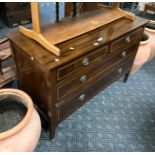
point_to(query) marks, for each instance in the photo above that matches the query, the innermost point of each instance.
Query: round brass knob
(128, 39)
(85, 61)
(123, 54)
(120, 70)
(82, 97)
(83, 78)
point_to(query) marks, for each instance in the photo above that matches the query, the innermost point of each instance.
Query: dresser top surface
(76, 47)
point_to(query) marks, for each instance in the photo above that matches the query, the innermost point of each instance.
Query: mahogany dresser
(88, 64)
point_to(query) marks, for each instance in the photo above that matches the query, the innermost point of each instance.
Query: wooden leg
(1, 72)
(52, 128)
(1, 25)
(144, 13)
(44, 119)
(53, 140)
(126, 77)
(52, 132)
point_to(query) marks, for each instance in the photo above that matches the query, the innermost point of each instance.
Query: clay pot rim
(26, 118)
(148, 29)
(147, 41)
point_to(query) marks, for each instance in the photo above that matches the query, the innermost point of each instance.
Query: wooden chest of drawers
(89, 63)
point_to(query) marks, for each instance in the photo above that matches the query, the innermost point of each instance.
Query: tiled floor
(120, 118)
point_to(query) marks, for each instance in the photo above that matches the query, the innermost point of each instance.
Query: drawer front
(82, 62)
(126, 41)
(71, 84)
(70, 106)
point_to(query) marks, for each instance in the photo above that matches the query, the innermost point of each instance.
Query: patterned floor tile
(112, 120)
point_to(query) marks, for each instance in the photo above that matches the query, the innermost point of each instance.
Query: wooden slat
(9, 74)
(3, 40)
(4, 45)
(5, 54)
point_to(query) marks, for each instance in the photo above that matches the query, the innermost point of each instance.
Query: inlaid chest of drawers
(88, 64)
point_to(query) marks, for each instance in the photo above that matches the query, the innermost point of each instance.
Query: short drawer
(83, 62)
(69, 85)
(126, 41)
(70, 106)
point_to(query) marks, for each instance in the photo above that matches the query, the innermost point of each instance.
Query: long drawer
(83, 62)
(70, 106)
(126, 41)
(71, 84)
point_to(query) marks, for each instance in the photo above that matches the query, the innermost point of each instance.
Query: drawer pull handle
(83, 78)
(128, 39)
(120, 70)
(123, 54)
(85, 61)
(82, 97)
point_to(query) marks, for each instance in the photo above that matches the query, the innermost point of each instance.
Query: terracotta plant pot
(150, 28)
(143, 53)
(21, 123)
